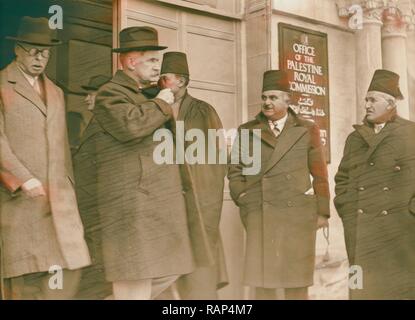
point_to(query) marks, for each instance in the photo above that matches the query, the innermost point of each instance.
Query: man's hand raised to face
(166, 95)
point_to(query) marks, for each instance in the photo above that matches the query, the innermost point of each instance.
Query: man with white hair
(375, 196)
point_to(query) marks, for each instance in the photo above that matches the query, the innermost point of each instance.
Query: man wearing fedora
(40, 224)
(280, 207)
(145, 237)
(204, 184)
(93, 285)
(375, 195)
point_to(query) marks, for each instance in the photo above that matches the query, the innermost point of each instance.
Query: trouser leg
(265, 293)
(145, 289)
(296, 293)
(159, 285)
(43, 286)
(198, 285)
(132, 289)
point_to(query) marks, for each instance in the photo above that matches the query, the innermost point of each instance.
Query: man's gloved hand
(166, 95)
(33, 188)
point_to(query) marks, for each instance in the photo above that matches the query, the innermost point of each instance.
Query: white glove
(166, 95)
(33, 188)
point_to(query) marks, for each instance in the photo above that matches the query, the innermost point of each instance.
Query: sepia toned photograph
(207, 150)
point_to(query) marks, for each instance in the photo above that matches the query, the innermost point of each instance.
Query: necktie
(276, 130)
(38, 89)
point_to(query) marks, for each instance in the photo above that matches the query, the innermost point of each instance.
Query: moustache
(267, 107)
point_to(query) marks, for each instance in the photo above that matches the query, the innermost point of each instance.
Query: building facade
(229, 44)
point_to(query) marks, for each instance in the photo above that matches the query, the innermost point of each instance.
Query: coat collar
(374, 140)
(267, 136)
(23, 88)
(185, 106)
(289, 136)
(126, 81)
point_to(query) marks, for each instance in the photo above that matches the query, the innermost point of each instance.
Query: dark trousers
(289, 294)
(35, 286)
(198, 285)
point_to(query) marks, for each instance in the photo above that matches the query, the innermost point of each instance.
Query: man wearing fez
(204, 183)
(93, 285)
(375, 196)
(145, 238)
(280, 207)
(40, 225)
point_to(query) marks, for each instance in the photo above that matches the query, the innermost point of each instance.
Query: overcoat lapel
(52, 97)
(372, 139)
(184, 107)
(267, 135)
(23, 88)
(285, 141)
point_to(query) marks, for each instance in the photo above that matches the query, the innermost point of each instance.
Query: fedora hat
(96, 82)
(35, 31)
(138, 39)
(175, 62)
(275, 80)
(387, 82)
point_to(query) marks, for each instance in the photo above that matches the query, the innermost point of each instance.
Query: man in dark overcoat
(204, 181)
(375, 196)
(93, 285)
(145, 238)
(280, 207)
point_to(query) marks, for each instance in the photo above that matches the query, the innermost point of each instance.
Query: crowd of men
(122, 226)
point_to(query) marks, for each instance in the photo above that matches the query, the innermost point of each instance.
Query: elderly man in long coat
(145, 237)
(204, 181)
(40, 225)
(375, 196)
(280, 207)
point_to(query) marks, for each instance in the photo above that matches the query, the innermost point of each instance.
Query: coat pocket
(71, 180)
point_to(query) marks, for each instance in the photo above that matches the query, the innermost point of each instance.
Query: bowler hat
(96, 82)
(387, 82)
(36, 31)
(275, 80)
(138, 39)
(175, 62)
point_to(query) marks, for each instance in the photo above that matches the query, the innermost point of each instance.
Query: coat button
(385, 212)
(386, 189)
(361, 188)
(397, 168)
(288, 176)
(360, 211)
(289, 203)
(372, 164)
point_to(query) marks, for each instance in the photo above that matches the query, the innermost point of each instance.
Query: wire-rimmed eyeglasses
(45, 53)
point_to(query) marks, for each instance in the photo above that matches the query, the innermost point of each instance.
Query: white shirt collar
(28, 77)
(378, 127)
(280, 123)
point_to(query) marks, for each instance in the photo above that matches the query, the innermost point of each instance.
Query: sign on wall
(303, 55)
